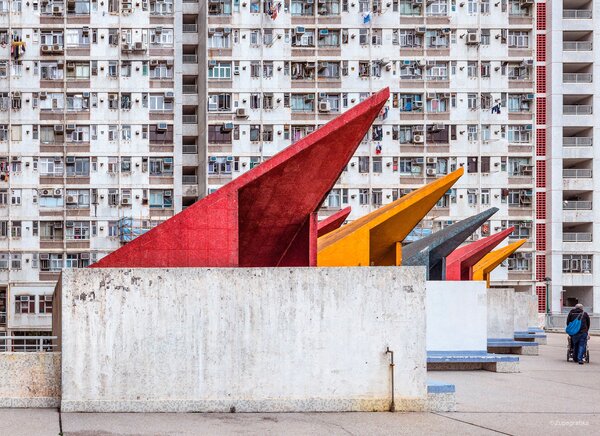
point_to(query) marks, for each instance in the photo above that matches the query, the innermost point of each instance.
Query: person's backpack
(575, 325)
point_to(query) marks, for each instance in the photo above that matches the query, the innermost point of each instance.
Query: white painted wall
(456, 316)
(501, 313)
(280, 339)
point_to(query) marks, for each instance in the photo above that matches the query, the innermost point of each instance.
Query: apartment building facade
(572, 158)
(462, 78)
(90, 140)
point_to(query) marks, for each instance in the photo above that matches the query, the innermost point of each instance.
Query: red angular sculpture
(333, 222)
(264, 218)
(459, 264)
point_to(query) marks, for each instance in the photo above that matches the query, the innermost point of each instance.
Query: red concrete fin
(461, 260)
(262, 218)
(334, 221)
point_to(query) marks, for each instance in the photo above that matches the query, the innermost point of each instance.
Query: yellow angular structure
(483, 268)
(374, 238)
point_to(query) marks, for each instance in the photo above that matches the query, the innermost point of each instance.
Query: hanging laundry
(367, 18)
(384, 112)
(496, 108)
(378, 149)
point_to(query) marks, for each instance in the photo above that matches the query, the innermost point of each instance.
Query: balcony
(577, 77)
(189, 119)
(27, 343)
(189, 89)
(189, 179)
(577, 141)
(577, 237)
(577, 173)
(577, 205)
(577, 14)
(577, 109)
(190, 28)
(189, 59)
(577, 45)
(189, 149)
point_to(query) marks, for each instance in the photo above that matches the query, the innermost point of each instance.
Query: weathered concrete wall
(275, 339)
(501, 313)
(29, 379)
(456, 316)
(525, 311)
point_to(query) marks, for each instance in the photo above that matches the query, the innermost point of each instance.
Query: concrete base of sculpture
(243, 340)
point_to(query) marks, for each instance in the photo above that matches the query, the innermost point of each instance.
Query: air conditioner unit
(421, 30)
(226, 30)
(323, 32)
(407, 62)
(526, 224)
(168, 193)
(431, 95)
(139, 45)
(125, 201)
(86, 94)
(527, 62)
(417, 104)
(324, 106)
(46, 48)
(529, 127)
(85, 29)
(71, 199)
(70, 65)
(418, 139)
(447, 95)
(71, 127)
(212, 30)
(44, 256)
(161, 126)
(431, 171)
(126, 47)
(58, 192)
(16, 94)
(529, 97)
(432, 160)
(169, 95)
(472, 38)
(158, 30)
(300, 30)
(154, 62)
(211, 63)
(420, 63)
(437, 127)
(70, 159)
(126, 11)
(241, 112)
(57, 9)
(419, 160)
(69, 224)
(227, 127)
(46, 192)
(56, 47)
(84, 256)
(58, 127)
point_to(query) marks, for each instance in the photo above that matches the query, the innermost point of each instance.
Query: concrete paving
(549, 396)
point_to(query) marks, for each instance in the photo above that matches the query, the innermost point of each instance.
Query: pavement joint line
(523, 413)
(473, 424)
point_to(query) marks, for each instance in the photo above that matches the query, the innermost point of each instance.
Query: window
(77, 230)
(472, 197)
(219, 102)
(519, 262)
(519, 134)
(376, 197)
(377, 164)
(577, 263)
(363, 164)
(518, 39)
(24, 304)
(218, 135)
(219, 70)
(472, 132)
(161, 166)
(472, 69)
(334, 199)
(472, 164)
(51, 262)
(219, 165)
(485, 197)
(78, 166)
(45, 304)
(161, 199)
(363, 196)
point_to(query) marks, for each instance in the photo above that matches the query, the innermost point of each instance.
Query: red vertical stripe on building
(541, 48)
(540, 205)
(540, 142)
(541, 16)
(541, 294)
(540, 174)
(541, 110)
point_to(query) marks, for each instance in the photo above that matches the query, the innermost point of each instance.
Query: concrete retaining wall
(525, 311)
(246, 340)
(29, 379)
(501, 313)
(456, 316)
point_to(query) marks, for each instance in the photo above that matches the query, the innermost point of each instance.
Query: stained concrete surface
(549, 396)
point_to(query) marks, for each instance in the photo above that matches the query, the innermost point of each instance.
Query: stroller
(586, 354)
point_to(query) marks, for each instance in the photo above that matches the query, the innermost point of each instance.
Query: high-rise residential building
(462, 78)
(573, 168)
(91, 139)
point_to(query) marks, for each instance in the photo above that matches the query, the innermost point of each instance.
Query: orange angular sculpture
(459, 264)
(333, 222)
(483, 268)
(264, 218)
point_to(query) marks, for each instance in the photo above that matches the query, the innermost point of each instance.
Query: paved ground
(549, 396)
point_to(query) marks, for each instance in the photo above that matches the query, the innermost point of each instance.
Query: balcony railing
(27, 343)
(577, 109)
(189, 59)
(189, 119)
(189, 179)
(577, 14)
(577, 141)
(577, 237)
(577, 77)
(577, 205)
(577, 173)
(190, 28)
(189, 148)
(577, 45)
(189, 89)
